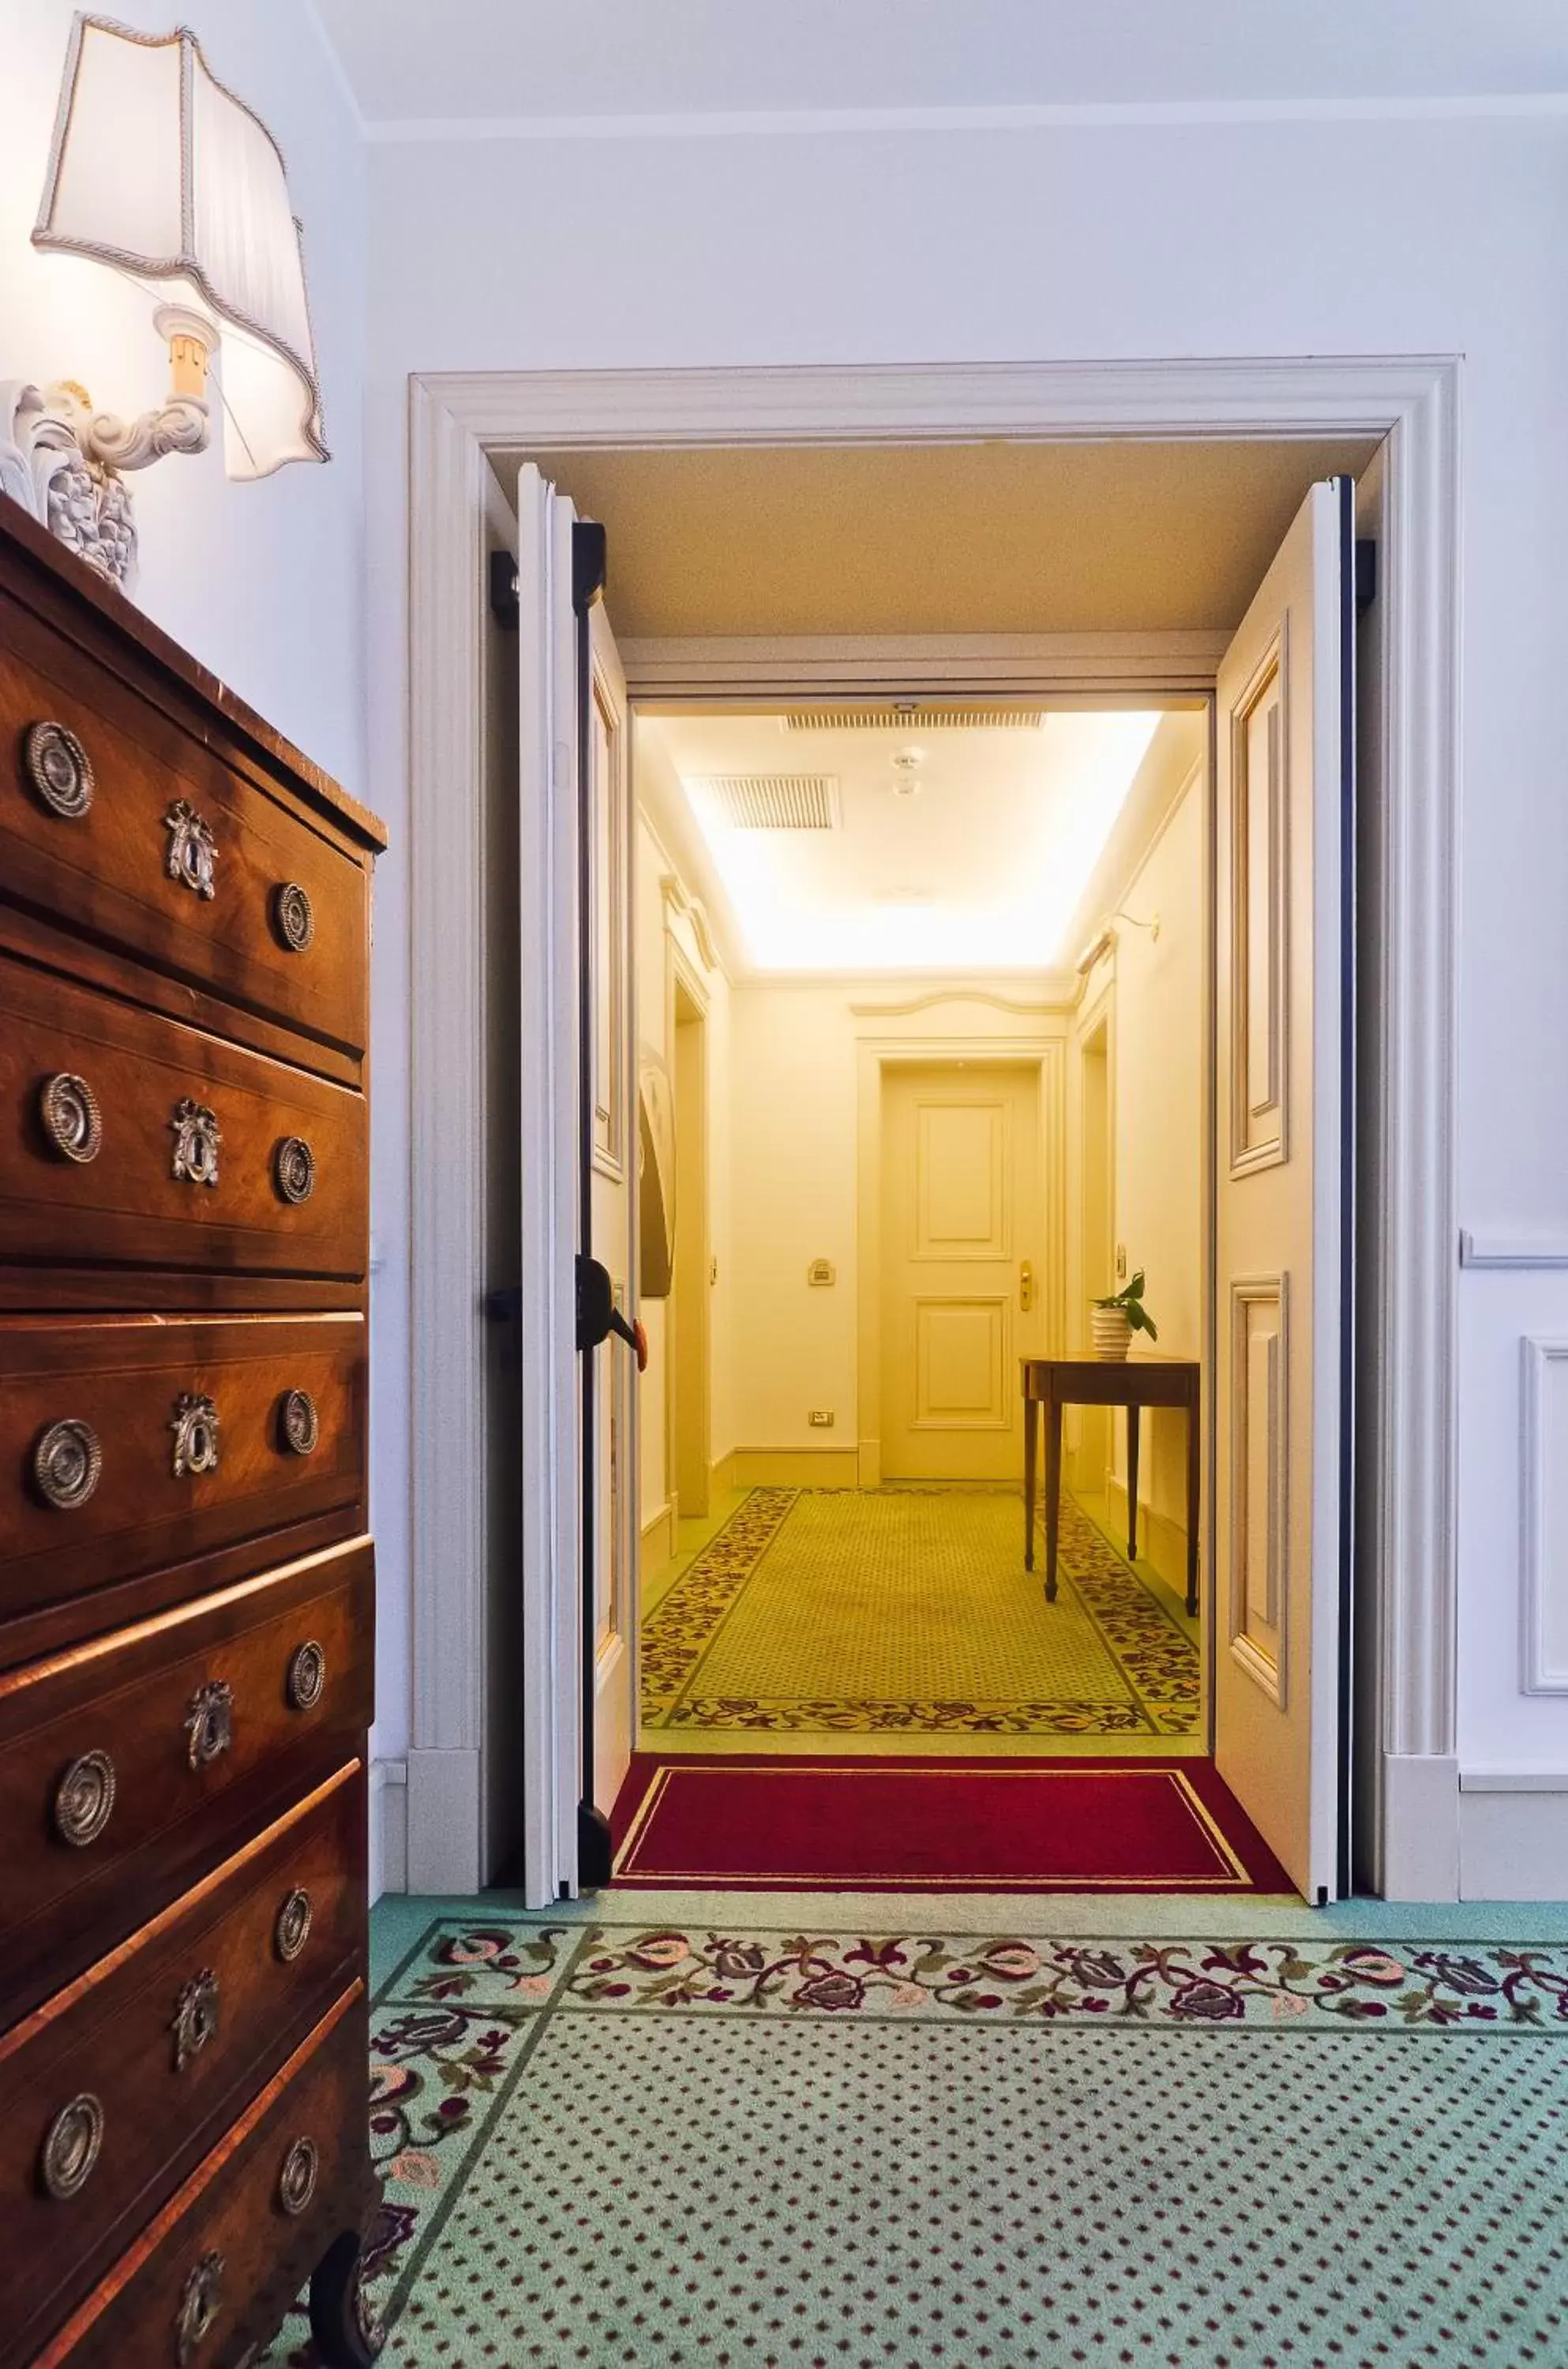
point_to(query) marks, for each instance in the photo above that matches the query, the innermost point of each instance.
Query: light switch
(1121, 1262)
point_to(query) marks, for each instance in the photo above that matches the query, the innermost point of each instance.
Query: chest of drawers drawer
(127, 1445)
(115, 2086)
(201, 2283)
(128, 1140)
(127, 1766)
(114, 816)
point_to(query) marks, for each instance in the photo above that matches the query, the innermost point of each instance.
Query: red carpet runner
(937, 1825)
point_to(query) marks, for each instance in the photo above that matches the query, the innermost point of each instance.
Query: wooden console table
(1134, 1383)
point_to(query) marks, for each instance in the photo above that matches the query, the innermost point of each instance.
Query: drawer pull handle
(68, 1110)
(197, 1137)
(71, 2148)
(293, 1169)
(293, 916)
(192, 857)
(195, 2017)
(293, 1929)
(307, 1676)
(297, 2181)
(195, 1423)
(209, 1723)
(84, 1799)
(298, 1423)
(200, 2300)
(67, 1463)
(59, 769)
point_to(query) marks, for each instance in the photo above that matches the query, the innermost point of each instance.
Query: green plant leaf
(1135, 1288)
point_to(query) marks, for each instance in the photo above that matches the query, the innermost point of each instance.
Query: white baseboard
(443, 1798)
(793, 1468)
(658, 1540)
(1421, 1827)
(389, 1827)
(1161, 1540)
(1514, 1834)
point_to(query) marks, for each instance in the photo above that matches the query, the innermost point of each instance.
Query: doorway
(1413, 422)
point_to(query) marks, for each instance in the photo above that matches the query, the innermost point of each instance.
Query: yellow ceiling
(989, 538)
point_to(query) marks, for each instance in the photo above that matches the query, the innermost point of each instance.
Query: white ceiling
(539, 60)
(988, 538)
(981, 868)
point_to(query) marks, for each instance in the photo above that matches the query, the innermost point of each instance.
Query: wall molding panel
(1516, 1254)
(1543, 1446)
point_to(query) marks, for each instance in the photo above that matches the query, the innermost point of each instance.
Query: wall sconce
(159, 172)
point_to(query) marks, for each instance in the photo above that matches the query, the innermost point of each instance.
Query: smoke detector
(907, 766)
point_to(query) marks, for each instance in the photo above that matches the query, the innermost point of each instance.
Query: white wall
(1151, 239)
(794, 1116)
(658, 929)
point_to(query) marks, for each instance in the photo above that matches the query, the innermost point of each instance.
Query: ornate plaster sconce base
(62, 460)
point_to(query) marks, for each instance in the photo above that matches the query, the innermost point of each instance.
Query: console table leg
(1195, 1497)
(1053, 1492)
(1132, 1444)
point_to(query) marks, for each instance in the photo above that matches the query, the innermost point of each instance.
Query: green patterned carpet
(686, 2149)
(907, 1612)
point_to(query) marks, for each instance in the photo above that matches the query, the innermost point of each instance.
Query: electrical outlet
(820, 1419)
(821, 1271)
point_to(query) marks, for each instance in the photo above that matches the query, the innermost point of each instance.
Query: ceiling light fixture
(907, 764)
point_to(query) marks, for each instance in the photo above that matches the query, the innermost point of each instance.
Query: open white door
(576, 1029)
(1283, 1109)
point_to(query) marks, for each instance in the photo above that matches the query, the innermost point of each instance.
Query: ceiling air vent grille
(772, 801)
(914, 719)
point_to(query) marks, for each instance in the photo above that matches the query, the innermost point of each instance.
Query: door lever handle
(1025, 1286)
(598, 1315)
(633, 1336)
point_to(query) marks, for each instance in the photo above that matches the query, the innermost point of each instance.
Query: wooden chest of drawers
(186, 1590)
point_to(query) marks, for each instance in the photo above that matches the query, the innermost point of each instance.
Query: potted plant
(1114, 1320)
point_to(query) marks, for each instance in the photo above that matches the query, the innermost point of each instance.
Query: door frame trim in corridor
(456, 421)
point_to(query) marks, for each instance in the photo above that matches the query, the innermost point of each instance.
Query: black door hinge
(1366, 573)
(590, 564)
(504, 605)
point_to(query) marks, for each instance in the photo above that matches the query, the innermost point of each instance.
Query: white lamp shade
(160, 171)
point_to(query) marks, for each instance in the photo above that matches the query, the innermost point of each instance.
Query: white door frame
(455, 420)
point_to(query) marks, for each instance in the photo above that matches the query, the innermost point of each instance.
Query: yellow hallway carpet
(903, 1616)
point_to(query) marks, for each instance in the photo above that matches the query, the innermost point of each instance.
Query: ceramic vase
(1109, 1332)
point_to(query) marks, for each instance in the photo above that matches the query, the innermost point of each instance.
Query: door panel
(963, 1245)
(1283, 740)
(607, 805)
(574, 1692)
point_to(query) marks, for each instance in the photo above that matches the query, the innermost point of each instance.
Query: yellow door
(963, 1237)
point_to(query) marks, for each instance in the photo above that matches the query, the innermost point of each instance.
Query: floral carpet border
(452, 2030)
(1158, 1660)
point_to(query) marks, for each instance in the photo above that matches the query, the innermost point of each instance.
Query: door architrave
(456, 421)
